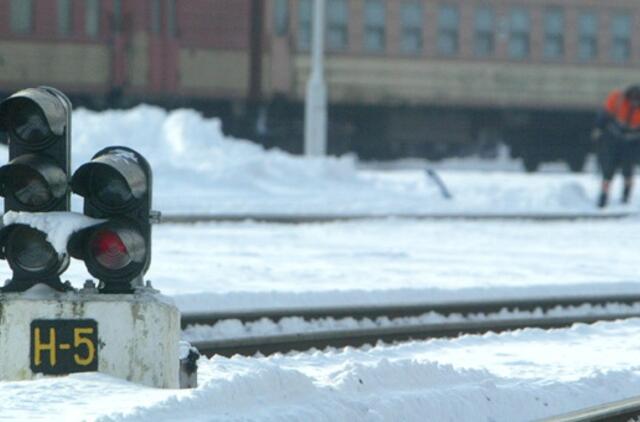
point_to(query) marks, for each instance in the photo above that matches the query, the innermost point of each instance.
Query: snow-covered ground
(508, 377)
(250, 265)
(519, 376)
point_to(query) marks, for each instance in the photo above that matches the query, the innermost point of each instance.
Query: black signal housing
(117, 187)
(32, 258)
(37, 124)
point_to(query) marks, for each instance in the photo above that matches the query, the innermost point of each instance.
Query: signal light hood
(32, 258)
(120, 162)
(36, 166)
(51, 106)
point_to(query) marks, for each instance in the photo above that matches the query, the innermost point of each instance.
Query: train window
(92, 18)
(172, 28)
(281, 17)
(304, 25)
(621, 37)
(156, 16)
(412, 16)
(448, 27)
(65, 17)
(587, 36)
(337, 24)
(553, 33)
(117, 15)
(484, 40)
(519, 33)
(374, 23)
(21, 16)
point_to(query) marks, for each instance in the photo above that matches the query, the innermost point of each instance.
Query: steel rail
(326, 218)
(399, 311)
(268, 345)
(618, 411)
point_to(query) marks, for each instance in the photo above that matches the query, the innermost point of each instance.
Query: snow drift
(198, 169)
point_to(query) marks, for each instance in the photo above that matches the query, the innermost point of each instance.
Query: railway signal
(63, 334)
(116, 185)
(37, 122)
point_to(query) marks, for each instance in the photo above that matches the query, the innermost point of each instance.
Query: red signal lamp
(115, 252)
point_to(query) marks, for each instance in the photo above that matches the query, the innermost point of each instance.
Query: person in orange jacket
(617, 131)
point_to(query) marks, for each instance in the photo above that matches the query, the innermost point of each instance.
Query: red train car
(425, 78)
(149, 49)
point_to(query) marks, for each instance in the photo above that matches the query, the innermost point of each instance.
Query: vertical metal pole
(315, 116)
(255, 52)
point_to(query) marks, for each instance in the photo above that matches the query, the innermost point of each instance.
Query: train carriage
(418, 78)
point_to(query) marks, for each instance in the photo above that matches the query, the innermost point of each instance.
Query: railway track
(618, 411)
(325, 218)
(270, 344)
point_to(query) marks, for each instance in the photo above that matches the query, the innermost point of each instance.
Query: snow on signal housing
(116, 185)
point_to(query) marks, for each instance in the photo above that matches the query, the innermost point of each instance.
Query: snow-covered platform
(133, 337)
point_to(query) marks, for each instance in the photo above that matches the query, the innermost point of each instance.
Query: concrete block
(137, 336)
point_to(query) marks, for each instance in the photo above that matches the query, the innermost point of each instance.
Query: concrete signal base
(133, 336)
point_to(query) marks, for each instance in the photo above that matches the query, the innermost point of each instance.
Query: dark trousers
(618, 154)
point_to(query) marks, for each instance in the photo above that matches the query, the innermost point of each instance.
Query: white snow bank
(508, 377)
(199, 170)
(209, 267)
(501, 161)
(58, 226)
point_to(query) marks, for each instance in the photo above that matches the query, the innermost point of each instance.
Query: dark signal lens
(29, 188)
(109, 251)
(31, 251)
(29, 124)
(110, 188)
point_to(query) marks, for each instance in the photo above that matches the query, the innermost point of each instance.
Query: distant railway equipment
(444, 191)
